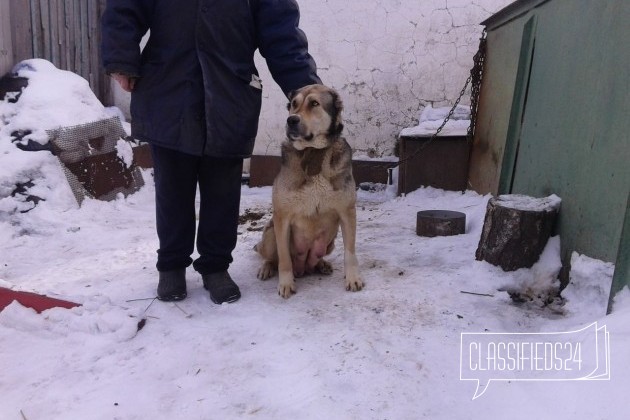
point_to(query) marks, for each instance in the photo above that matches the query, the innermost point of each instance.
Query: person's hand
(127, 83)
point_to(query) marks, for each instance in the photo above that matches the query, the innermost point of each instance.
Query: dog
(313, 194)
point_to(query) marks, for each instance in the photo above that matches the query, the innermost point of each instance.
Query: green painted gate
(569, 121)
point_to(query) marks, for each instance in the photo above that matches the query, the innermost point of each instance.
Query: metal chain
(476, 74)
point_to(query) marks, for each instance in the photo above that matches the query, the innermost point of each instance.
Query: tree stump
(440, 223)
(516, 229)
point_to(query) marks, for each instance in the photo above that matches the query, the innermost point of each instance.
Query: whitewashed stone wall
(387, 58)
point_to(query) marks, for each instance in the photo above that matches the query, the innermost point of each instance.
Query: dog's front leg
(282, 229)
(351, 264)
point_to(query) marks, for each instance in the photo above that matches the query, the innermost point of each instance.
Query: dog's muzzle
(294, 129)
(293, 121)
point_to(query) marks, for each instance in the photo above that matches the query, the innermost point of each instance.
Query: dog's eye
(314, 104)
(294, 103)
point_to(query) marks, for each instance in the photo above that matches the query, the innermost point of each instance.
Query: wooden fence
(64, 32)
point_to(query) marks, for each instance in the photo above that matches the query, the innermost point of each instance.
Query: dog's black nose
(293, 120)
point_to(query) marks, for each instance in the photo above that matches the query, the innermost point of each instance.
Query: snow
(365, 157)
(540, 284)
(53, 99)
(527, 203)
(389, 351)
(125, 152)
(431, 119)
(590, 280)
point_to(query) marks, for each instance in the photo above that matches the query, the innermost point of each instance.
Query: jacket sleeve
(123, 25)
(283, 44)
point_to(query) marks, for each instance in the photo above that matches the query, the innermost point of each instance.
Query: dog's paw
(354, 284)
(286, 290)
(324, 267)
(286, 286)
(267, 270)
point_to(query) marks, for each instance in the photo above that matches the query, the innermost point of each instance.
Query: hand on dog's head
(314, 117)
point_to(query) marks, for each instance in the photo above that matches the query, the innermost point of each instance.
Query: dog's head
(314, 117)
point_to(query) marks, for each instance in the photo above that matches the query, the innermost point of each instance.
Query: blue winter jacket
(195, 92)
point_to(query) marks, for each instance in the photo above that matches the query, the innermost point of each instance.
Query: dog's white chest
(316, 196)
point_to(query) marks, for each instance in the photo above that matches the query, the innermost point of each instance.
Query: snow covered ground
(391, 351)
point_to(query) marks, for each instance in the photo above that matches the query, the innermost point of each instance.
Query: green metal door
(575, 133)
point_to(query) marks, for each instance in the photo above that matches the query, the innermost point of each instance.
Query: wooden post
(516, 229)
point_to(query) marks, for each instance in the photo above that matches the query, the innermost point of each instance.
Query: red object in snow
(32, 300)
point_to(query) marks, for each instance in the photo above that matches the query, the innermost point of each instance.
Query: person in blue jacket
(196, 98)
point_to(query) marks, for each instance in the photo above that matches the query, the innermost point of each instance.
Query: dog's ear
(337, 125)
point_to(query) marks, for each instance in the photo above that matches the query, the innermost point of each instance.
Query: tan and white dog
(313, 194)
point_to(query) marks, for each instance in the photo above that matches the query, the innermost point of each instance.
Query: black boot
(172, 285)
(221, 287)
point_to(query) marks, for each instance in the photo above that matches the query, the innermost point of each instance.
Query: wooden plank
(69, 32)
(85, 43)
(22, 33)
(512, 142)
(59, 41)
(105, 92)
(36, 25)
(61, 33)
(93, 47)
(54, 33)
(76, 44)
(6, 40)
(45, 30)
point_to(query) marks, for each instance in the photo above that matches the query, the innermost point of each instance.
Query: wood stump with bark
(516, 229)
